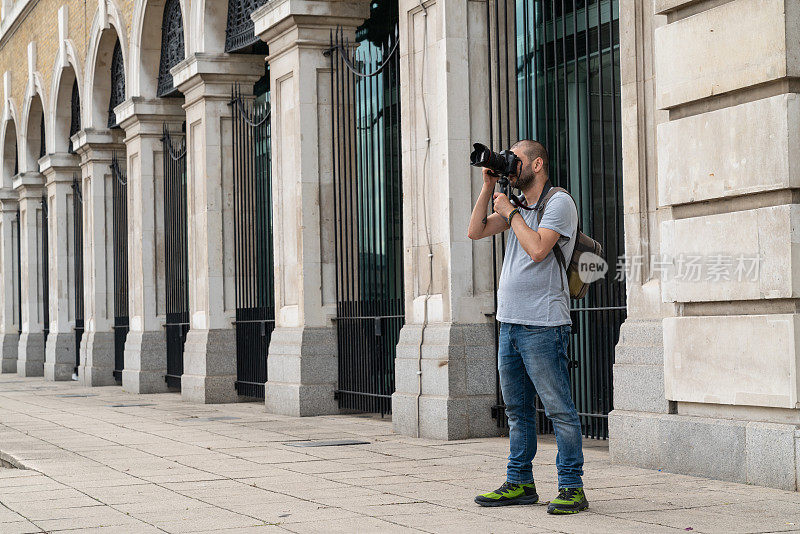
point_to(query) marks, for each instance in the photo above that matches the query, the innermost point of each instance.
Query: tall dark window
(75, 118)
(172, 50)
(117, 84)
(240, 31)
(42, 146)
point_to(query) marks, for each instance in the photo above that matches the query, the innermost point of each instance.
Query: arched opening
(10, 154)
(172, 47)
(35, 139)
(108, 85)
(67, 112)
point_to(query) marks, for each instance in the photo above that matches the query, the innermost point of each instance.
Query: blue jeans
(531, 360)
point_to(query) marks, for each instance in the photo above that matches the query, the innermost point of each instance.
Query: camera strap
(518, 203)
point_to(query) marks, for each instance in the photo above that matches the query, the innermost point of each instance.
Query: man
(533, 311)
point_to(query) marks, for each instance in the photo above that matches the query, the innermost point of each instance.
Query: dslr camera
(503, 164)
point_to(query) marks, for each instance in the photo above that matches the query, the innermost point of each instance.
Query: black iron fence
(77, 233)
(255, 281)
(45, 274)
(368, 215)
(556, 79)
(176, 257)
(119, 191)
(18, 256)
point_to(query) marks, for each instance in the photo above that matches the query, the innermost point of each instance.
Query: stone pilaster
(145, 347)
(712, 353)
(302, 363)
(59, 170)
(30, 356)
(209, 359)
(9, 327)
(96, 148)
(445, 366)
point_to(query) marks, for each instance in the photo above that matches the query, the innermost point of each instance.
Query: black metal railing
(561, 60)
(368, 219)
(77, 243)
(176, 256)
(18, 257)
(240, 29)
(119, 193)
(253, 245)
(45, 275)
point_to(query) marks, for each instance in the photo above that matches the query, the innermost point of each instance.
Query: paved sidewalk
(100, 460)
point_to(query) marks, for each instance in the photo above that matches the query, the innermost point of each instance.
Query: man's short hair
(534, 149)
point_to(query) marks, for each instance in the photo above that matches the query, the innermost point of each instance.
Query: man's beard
(525, 178)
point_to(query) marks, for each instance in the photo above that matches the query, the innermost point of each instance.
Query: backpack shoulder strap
(546, 198)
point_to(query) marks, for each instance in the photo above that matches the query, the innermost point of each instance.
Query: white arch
(32, 90)
(140, 15)
(10, 114)
(67, 57)
(116, 21)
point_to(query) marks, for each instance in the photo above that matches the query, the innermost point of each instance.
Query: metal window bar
(368, 218)
(75, 114)
(176, 257)
(566, 76)
(117, 92)
(119, 186)
(172, 48)
(240, 29)
(45, 276)
(77, 230)
(253, 244)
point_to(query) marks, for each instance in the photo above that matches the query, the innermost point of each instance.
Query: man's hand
(489, 178)
(502, 205)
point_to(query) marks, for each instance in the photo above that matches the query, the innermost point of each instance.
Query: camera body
(502, 163)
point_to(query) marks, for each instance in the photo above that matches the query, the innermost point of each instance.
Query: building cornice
(13, 20)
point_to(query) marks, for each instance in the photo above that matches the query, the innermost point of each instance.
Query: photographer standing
(533, 311)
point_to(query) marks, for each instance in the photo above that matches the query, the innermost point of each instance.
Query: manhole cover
(333, 443)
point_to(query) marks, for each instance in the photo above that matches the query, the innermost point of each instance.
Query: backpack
(583, 244)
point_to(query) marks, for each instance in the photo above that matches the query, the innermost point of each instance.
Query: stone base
(9, 347)
(302, 372)
(209, 366)
(145, 362)
(458, 377)
(59, 363)
(639, 367)
(97, 359)
(739, 451)
(30, 360)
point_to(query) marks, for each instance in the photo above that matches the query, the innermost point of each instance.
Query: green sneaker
(509, 494)
(569, 501)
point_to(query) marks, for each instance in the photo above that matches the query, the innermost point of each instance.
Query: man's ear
(537, 165)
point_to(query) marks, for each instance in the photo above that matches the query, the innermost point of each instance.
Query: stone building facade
(687, 152)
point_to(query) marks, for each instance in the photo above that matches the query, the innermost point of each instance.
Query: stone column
(30, 355)
(59, 170)
(722, 199)
(302, 363)
(9, 327)
(445, 369)
(96, 148)
(209, 357)
(145, 347)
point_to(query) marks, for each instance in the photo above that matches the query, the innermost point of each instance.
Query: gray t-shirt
(531, 293)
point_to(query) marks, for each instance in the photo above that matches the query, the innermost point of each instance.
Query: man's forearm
(477, 222)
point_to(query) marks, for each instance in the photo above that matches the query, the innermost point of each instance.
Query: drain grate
(76, 395)
(332, 443)
(131, 405)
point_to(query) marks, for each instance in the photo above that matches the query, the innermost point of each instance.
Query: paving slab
(105, 461)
